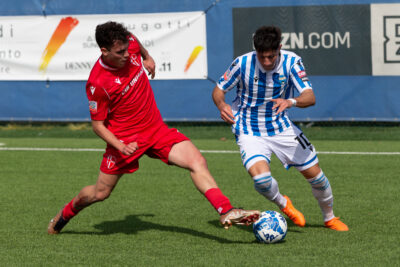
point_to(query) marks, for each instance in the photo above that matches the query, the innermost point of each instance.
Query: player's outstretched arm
(219, 100)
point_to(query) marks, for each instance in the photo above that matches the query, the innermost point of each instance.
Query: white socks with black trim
(267, 186)
(322, 191)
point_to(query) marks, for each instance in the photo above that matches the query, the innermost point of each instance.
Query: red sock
(69, 211)
(219, 201)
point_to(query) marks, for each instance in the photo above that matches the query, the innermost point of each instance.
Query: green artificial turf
(156, 217)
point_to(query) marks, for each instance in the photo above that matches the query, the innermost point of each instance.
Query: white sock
(322, 191)
(267, 186)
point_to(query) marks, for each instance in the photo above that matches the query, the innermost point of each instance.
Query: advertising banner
(332, 40)
(64, 47)
(385, 30)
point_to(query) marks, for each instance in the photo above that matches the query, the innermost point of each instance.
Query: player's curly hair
(267, 38)
(109, 32)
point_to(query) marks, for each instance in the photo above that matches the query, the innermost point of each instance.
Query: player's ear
(104, 51)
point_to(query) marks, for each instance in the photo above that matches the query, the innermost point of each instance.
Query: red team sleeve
(98, 102)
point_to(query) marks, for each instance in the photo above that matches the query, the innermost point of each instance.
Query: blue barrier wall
(362, 98)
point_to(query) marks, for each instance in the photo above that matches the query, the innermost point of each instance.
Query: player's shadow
(298, 229)
(217, 224)
(291, 226)
(247, 228)
(132, 224)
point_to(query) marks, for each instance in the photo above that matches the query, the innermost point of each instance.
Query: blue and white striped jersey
(255, 87)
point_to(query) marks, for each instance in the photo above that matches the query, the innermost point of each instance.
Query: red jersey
(123, 98)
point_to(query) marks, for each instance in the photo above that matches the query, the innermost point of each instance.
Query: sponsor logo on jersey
(92, 89)
(93, 106)
(226, 75)
(117, 80)
(302, 74)
(111, 161)
(132, 82)
(125, 89)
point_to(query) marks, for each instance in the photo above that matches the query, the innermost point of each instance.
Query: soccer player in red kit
(125, 115)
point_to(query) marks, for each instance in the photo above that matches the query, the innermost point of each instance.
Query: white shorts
(291, 147)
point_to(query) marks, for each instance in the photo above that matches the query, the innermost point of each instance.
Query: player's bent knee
(197, 163)
(201, 160)
(103, 195)
(258, 166)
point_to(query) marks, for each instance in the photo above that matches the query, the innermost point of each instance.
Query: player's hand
(281, 104)
(226, 113)
(150, 66)
(130, 148)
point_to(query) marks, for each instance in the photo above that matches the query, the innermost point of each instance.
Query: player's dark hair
(267, 38)
(109, 32)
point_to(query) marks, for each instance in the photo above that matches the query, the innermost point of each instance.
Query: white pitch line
(320, 152)
(50, 149)
(202, 151)
(220, 151)
(358, 153)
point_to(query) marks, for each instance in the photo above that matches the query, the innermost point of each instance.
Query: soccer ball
(271, 227)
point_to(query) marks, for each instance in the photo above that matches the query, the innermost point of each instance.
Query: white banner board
(385, 39)
(64, 47)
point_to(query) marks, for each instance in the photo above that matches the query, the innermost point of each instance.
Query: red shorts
(155, 144)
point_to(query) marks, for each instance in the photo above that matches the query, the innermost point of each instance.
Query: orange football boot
(336, 224)
(296, 216)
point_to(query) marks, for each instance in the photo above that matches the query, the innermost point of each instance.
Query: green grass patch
(219, 131)
(156, 217)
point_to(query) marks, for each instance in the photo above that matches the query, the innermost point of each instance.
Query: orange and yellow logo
(193, 56)
(59, 36)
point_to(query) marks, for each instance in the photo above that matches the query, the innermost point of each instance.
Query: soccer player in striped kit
(265, 80)
(125, 115)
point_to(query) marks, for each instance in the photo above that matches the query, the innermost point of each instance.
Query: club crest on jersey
(93, 106)
(282, 79)
(111, 161)
(135, 60)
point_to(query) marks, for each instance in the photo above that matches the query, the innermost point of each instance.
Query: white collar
(104, 65)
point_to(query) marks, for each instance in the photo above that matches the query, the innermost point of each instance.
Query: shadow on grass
(132, 224)
(217, 224)
(247, 229)
(291, 226)
(298, 229)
